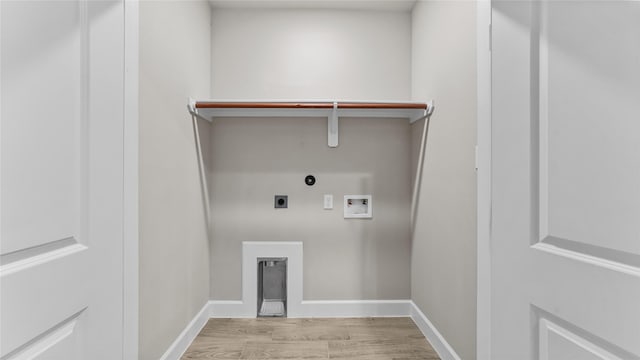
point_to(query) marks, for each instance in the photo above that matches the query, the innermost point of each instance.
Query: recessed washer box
(358, 207)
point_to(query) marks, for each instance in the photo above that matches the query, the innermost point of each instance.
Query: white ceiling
(388, 5)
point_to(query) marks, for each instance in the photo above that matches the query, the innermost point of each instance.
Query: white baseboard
(354, 308)
(440, 345)
(229, 309)
(186, 337)
(319, 308)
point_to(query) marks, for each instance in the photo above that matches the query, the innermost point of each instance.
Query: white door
(61, 271)
(565, 231)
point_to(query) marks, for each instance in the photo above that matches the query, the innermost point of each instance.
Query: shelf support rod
(332, 126)
(417, 184)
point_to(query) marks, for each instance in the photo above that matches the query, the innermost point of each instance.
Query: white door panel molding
(62, 140)
(565, 174)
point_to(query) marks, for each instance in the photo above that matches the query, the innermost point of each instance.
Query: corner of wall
(174, 64)
(443, 264)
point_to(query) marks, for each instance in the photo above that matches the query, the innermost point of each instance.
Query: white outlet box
(328, 202)
(358, 206)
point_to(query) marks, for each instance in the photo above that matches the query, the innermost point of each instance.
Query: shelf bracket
(332, 126)
(430, 108)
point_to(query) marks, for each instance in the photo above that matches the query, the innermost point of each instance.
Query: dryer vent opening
(272, 287)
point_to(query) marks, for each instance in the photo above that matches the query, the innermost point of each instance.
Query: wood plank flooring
(296, 339)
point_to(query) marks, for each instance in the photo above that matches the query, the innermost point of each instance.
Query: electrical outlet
(280, 202)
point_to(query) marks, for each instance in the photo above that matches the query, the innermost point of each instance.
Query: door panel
(589, 85)
(558, 343)
(565, 200)
(41, 201)
(62, 107)
(38, 295)
(60, 342)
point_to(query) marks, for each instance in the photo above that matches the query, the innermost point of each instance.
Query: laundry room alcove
(251, 67)
(361, 120)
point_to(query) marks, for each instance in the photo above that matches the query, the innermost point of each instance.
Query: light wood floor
(278, 338)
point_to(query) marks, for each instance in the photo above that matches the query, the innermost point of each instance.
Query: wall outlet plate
(280, 201)
(358, 206)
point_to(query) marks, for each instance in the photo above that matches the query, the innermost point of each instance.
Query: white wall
(298, 54)
(174, 261)
(443, 267)
(255, 159)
